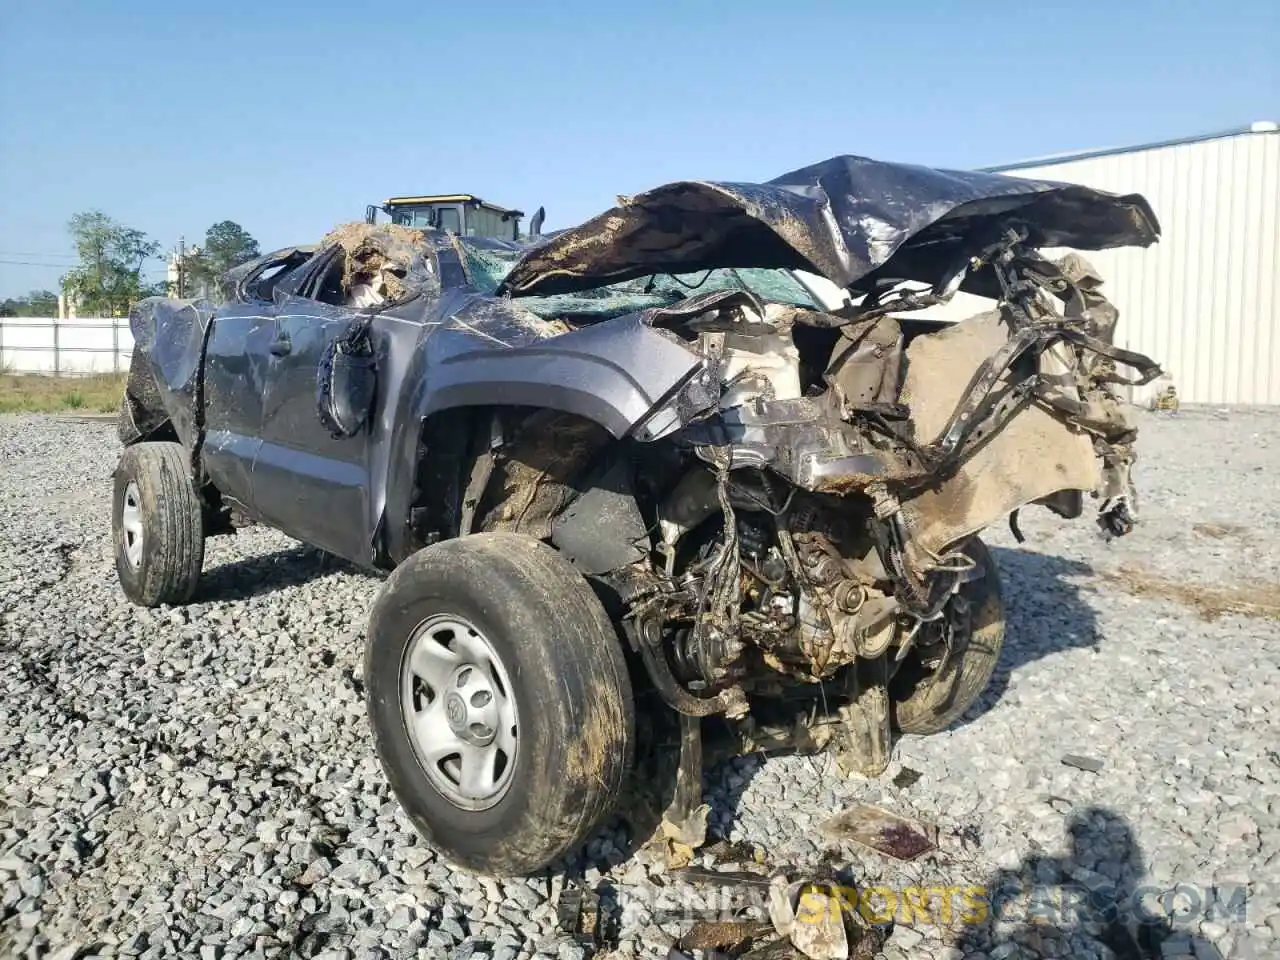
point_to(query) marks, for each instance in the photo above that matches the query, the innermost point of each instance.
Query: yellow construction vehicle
(462, 213)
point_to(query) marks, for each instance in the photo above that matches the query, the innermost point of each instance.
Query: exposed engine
(814, 529)
(798, 551)
(811, 588)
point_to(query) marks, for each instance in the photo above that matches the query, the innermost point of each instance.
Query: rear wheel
(946, 672)
(499, 700)
(157, 525)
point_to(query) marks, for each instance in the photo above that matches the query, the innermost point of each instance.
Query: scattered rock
(906, 777)
(1089, 764)
(207, 769)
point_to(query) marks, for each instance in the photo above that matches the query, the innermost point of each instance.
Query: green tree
(109, 277)
(226, 245)
(37, 303)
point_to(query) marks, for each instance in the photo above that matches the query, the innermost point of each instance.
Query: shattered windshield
(486, 269)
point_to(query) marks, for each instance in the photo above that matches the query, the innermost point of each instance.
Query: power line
(33, 263)
(29, 253)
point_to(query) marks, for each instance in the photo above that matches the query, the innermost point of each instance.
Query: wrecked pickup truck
(646, 467)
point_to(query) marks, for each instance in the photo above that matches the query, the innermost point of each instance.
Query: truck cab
(458, 213)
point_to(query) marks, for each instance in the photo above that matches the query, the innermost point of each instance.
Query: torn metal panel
(142, 411)
(1032, 456)
(842, 218)
(866, 366)
(168, 337)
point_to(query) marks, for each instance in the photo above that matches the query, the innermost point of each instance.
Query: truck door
(234, 382)
(308, 483)
(236, 367)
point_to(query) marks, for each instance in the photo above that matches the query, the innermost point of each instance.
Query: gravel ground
(201, 782)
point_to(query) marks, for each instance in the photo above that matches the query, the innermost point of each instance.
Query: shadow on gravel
(728, 782)
(256, 576)
(1094, 896)
(1045, 613)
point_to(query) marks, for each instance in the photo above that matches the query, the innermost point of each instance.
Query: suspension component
(647, 639)
(704, 660)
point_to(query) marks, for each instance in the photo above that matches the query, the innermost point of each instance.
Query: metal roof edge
(436, 198)
(1258, 127)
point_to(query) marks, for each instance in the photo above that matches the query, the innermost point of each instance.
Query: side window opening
(261, 284)
(325, 281)
(329, 289)
(267, 280)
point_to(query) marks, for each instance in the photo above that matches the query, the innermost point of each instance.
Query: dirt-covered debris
(379, 260)
(733, 936)
(881, 830)
(1220, 531)
(1250, 599)
(532, 479)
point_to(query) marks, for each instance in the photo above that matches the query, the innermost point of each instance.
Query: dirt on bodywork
(532, 477)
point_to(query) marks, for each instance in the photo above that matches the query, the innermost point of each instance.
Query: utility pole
(182, 267)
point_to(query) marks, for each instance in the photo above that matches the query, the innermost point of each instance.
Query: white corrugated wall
(1203, 302)
(74, 345)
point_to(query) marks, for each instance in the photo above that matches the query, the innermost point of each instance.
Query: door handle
(281, 346)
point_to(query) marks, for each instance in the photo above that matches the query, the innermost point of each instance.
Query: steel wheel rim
(131, 524)
(459, 711)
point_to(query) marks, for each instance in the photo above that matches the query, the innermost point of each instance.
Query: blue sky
(290, 117)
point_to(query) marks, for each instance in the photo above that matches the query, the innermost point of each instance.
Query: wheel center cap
(455, 710)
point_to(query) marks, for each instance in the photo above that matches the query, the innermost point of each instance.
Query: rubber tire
(172, 525)
(569, 677)
(930, 705)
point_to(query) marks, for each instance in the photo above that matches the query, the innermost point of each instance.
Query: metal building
(1204, 301)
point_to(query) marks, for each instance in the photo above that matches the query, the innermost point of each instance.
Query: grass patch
(36, 393)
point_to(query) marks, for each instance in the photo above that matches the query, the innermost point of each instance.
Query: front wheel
(157, 525)
(499, 700)
(946, 672)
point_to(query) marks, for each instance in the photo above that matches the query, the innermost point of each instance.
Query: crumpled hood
(845, 218)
